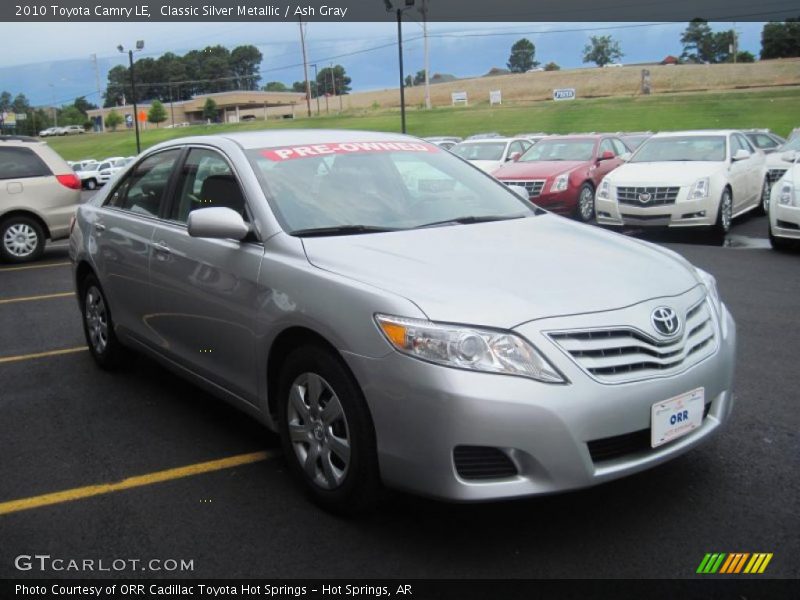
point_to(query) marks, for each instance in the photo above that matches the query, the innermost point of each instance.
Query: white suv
(39, 194)
(685, 179)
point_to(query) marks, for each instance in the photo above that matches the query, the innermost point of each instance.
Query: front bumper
(421, 412)
(562, 203)
(785, 221)
(683, 213)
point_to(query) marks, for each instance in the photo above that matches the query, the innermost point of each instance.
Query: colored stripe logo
(734, 563)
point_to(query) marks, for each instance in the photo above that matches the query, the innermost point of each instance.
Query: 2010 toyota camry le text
(401, 317)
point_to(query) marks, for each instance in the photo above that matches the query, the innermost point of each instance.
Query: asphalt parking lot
(65, 425)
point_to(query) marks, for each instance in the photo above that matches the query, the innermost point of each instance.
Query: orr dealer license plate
(676, 417)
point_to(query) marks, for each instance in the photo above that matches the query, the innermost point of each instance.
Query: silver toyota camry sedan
(400, 317)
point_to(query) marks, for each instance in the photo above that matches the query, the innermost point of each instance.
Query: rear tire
(98, 326)
(584, 210)
(91, 184)
(326, 431)
(22, 239)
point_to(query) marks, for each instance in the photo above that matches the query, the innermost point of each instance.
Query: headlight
(560, 183)
(605, 190)
(787, 195)
(699, 189)
(711, 287)
(467, 348)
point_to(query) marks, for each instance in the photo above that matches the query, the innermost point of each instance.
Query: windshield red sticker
(293, 152)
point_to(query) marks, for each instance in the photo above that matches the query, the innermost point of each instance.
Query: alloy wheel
(96, 319)
(318, 431)
(765, 191)
(586, 202)
(20, 240)
(726, 210)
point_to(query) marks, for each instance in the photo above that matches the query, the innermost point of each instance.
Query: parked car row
(66, 130)
(93, 173)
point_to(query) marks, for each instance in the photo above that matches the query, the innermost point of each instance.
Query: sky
(50, 62)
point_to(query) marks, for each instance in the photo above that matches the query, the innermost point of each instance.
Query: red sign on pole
(142, 116)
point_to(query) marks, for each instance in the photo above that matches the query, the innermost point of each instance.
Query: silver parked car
(400, 317)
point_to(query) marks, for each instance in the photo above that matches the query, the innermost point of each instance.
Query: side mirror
(741, 154)
(625, 157)
(217, 222)
(514, 156)
(520, 191)
(607, 155)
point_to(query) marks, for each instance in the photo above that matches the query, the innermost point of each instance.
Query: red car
(561, 173)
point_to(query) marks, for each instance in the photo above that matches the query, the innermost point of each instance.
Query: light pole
(139, 46)
(389, 7)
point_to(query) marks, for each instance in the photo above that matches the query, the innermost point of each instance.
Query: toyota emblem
(665, 321)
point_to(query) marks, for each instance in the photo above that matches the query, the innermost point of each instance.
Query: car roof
(579, 136)
(697, 132)
(286, 137)
(490, 140)
(20, 140)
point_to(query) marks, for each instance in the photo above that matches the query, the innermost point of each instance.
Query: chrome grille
(623, 354)
(656, 196)
(774, 175)
(534, 188)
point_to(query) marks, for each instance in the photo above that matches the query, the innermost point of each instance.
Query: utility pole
(427, 64)
(139, 46)
(171, 104)
(735, 43)
(402, 83)
(305, 65)
(333, 86)
(316, 85)
(55, 108)
(99, 92)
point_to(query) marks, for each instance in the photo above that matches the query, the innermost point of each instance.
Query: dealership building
(232, 107)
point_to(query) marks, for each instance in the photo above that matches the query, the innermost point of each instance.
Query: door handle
(161, 247)
(99, 227)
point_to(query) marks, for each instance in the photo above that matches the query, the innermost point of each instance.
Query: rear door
(121, 235)
(742, 173)
(205, 291)
(23, 178)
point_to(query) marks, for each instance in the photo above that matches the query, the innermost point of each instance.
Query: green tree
(419, 78)
(244, 64)
(329, 78)
(698, 42)
(602, 50)
(157, 114)
(522, 56)
(745, 57)
(210, 110)
(113, 120)
(5, 101)
(275, 86)
(83, 105)
(551, 66)
(409, 81)
(781, 40)
(69, 115)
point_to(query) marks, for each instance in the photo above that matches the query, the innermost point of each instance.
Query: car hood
(536, 169)
(487, 165)
(505, 273)
(663, 173)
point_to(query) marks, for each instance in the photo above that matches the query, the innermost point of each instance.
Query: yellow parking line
(19, 357)
(61, 264)
(134, 482)
(42, 297)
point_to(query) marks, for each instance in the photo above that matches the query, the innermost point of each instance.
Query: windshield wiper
(469, 220)
(341, 230)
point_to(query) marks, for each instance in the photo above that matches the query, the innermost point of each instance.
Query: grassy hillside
(777, 109)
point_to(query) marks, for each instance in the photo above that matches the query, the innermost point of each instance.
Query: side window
(206, 181)
(19, 163)
(606, 146)
(619, 147)
(143, 189)
(745, 143)
(515, 147)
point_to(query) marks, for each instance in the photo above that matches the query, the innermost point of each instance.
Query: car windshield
(480, 150)
(793, 144)
(546, 150)
(378, 185)
(682, 148)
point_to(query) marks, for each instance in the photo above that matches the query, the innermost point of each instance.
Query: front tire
(22, 239)
(91, 184)
(585, 208)
(326, 431)
(722, 225)
(766, 188)
(98, 326)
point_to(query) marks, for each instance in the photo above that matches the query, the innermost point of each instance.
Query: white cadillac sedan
(492, 153)
(685, 179)
(784, 208)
